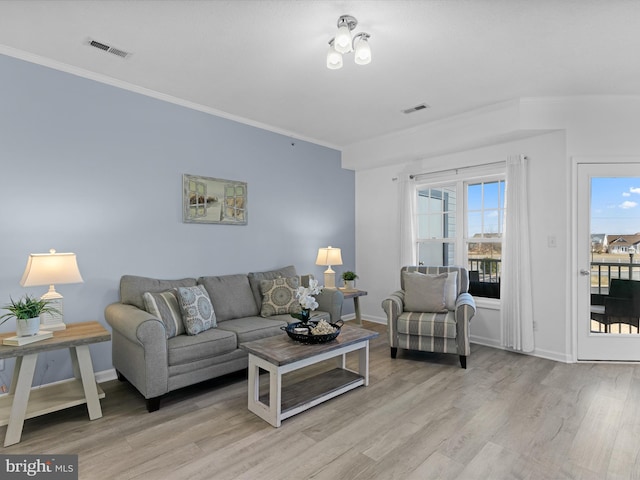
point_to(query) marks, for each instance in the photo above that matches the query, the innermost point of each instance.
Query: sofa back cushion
(231, 296)
(256, 277)
(132, 288)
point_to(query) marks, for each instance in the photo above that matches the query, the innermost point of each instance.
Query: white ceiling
(263, 62)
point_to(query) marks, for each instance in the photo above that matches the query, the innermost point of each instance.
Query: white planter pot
(27, 328)
(349, 284)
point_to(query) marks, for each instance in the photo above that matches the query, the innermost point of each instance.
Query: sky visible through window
(485, 208)
(615, 205)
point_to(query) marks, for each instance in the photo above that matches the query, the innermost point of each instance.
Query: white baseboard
(549, 355)
(106, 375)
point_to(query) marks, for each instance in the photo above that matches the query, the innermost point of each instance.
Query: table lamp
(329, 256)
(49, 269)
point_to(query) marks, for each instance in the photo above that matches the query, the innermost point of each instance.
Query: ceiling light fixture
(343, 42)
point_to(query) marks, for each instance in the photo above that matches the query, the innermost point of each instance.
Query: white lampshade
(343, 39)
(363, 52)
(329, 256)
(49, 269)
(334, 59)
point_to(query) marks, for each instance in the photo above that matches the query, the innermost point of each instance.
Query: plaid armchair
(443, 332)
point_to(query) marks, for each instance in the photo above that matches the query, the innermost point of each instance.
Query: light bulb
(343, 39)
(363, 51)
(334, 59)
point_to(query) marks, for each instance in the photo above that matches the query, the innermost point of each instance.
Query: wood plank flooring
(508, 416)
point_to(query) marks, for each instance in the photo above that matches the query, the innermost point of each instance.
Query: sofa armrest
(134, 324)
(393, 306)
(330, 300)
(139, 348)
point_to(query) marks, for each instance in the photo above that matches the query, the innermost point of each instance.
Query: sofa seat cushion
(428, 324)
(248, 329)
(231, 296)
(191, 348)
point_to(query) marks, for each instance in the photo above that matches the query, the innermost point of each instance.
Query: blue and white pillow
(197, 310)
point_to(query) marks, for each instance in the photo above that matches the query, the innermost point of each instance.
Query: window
(460, 223)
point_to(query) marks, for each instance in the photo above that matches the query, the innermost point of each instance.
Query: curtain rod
(416, 175)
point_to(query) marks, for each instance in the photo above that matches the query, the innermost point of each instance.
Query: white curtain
(406, 216)
(517, 306)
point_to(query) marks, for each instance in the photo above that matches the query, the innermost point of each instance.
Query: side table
(22, 402)
(355, 294)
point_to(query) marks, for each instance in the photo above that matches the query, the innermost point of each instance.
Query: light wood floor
(422, 417)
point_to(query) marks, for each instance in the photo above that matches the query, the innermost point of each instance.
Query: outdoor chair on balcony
(620, 306)
(431, 312)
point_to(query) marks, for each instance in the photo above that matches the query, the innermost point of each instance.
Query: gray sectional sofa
(155, 364)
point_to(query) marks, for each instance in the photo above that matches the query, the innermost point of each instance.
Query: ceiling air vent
(422, 106)
(109, 49)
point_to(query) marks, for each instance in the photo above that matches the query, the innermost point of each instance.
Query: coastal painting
(213, 200)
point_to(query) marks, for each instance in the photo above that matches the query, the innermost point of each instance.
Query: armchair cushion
(424, 324)
(424, 292)
(196, 308)
(165, 306)
(279, 296)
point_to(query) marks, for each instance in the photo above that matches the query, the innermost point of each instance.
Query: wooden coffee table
(280, 354)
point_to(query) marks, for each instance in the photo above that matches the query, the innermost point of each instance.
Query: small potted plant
(349, 277)
(27, 313)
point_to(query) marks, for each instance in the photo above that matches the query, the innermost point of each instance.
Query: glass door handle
(584, 272)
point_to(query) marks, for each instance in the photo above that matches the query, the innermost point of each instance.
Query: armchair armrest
(393, 306)
(466, 300)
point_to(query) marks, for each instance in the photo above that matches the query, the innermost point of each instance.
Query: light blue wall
(96, 170)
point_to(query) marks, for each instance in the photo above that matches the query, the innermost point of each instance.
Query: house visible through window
(460, 223)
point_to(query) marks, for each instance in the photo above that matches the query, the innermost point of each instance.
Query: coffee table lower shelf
(314, 390)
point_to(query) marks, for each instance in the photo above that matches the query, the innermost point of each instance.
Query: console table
(22, 402)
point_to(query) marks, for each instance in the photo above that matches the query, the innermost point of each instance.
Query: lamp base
(51, 320)
(329, 279)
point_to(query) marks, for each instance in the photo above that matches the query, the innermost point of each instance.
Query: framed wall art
(213, 200)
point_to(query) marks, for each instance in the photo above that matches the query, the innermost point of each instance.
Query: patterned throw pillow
(197, 310)
(165, 307)
(279, 296)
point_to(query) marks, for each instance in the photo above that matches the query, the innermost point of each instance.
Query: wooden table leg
(363, 363)
(81, 358)
(23, 380)
(356, 306)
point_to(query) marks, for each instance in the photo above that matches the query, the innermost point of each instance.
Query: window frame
(460, 179)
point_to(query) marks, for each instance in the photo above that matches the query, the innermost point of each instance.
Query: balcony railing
(603, 272)
(488, 269)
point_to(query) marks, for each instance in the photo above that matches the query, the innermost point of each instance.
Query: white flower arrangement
(305, 295)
